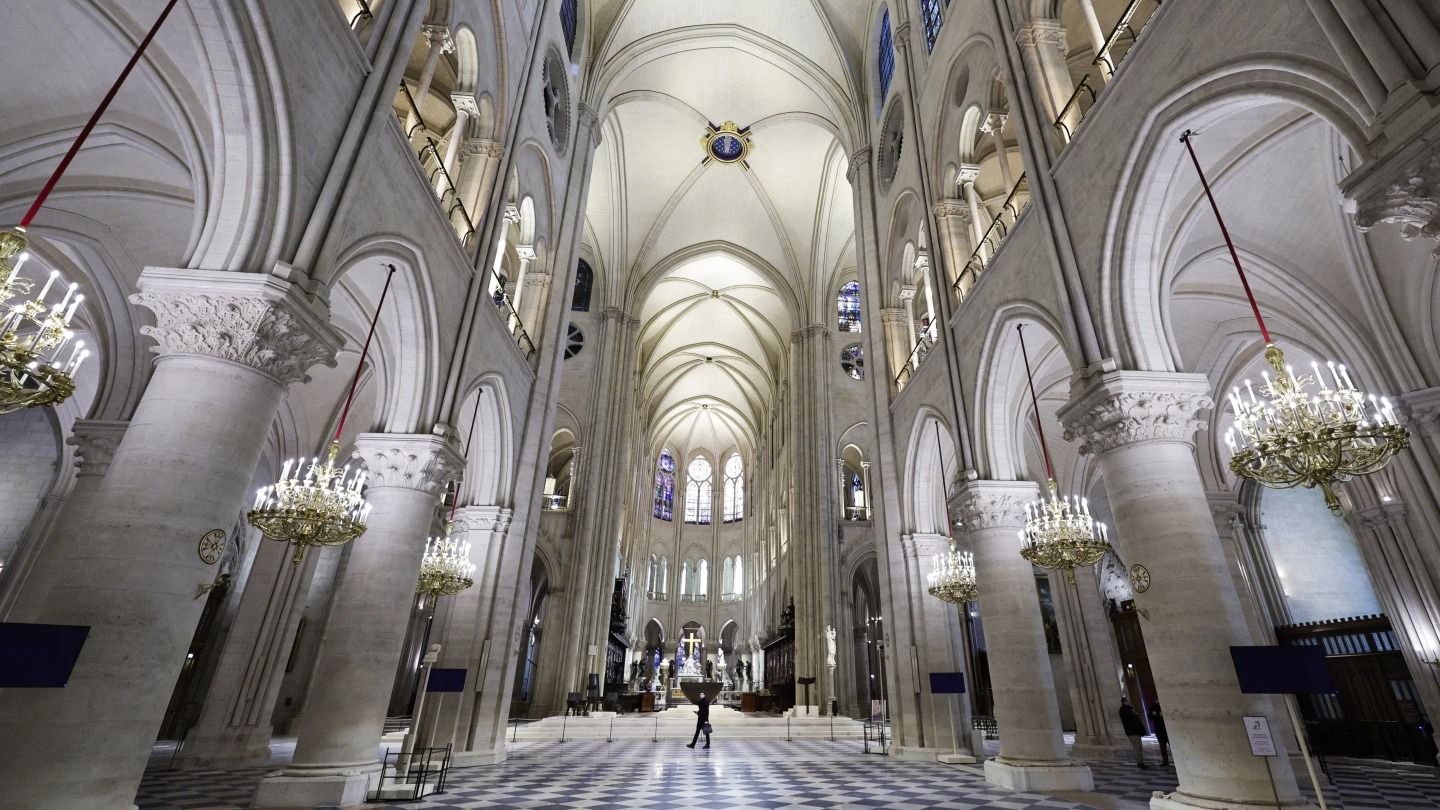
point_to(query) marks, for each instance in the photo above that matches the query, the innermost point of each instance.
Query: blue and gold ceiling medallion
(726, 143)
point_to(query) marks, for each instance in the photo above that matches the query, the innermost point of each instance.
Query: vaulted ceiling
(673, 231)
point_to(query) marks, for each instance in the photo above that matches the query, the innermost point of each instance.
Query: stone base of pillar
(1181, 801)
(329, 787)
(465, 759)
(224, 752)
(1103, 749)
(1041, 777)
(916, 753)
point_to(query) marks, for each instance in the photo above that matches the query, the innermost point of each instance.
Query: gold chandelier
(320, 504)
(1285, 437)
(35, 368)
(953, 580)
(446, 570)
(1059, 532)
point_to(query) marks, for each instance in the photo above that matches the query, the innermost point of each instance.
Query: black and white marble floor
(752, 773)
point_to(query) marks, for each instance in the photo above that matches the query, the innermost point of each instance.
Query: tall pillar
(942, 721)
(479, 163)
(466, 108)
(1097, 37)
(234, 726)
(993, 126)
(525, 252)
(1042, 47)
(952, 220)
(39, 563)
(438, 38)
(229, 344)
(1032, 745)
(907, 297)
(978, 221)
(464, 630)
(865, 487)
(1093, 665)
(533, 290)
(899, 337)
(336, 758)
(1141, 426)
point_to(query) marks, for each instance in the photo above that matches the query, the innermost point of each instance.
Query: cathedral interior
(429, 400)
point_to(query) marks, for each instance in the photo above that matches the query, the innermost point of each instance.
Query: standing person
(1134, 729)
(1157, 722)
(702, 722)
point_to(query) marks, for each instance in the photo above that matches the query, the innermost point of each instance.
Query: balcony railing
(554, 503)
(856, 513)
(1015, 204)
(728, 598)
(1116, 47)
(433, 161)
(513, 324)
(695, 597)
(657, 596)
(917, 356)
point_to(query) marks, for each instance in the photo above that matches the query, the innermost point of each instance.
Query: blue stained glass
(665, 487)
(727, 148)
(886, 58)
(584, 281)
(847, 305)
(569, 17)
(930, 15)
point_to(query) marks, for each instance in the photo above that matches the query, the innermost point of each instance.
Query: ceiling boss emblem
(726, 143)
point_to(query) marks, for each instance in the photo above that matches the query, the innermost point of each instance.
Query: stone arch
(1003, 417)
(930, 467)
(489, 470)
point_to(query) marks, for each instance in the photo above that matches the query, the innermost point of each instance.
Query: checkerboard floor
(752, 773)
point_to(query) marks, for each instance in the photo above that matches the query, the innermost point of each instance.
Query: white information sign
(1261, 743)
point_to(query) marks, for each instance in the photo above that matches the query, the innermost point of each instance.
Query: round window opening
(574, 341)
(727, 148)
(852, 360)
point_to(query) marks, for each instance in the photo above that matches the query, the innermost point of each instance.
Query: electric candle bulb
(78, 360)
(74, 305)
(54, 274)
(285, 470)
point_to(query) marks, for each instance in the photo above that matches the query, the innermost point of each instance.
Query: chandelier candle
(1059, 532)
(34, 334)
(1285, 437)
(953, 580)
(446, 570)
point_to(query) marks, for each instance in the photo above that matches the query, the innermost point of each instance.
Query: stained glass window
(734, 489)
(702, 577)
(886, 59)
(930, 15)
(569, 18)
(852, 361)
(665, 487)
(584, 280)
(699, 491)
(847, 306)
(739, 575)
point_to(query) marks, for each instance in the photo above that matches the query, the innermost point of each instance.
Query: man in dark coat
(1134, 729)
(1157, 722)
(702, 721)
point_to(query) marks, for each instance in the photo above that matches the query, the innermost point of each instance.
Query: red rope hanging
(94, 119)
(364, 352)
(1225, 232)
(465, 457)
(1035, 404)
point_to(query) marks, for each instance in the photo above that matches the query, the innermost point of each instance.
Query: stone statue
(829, 646)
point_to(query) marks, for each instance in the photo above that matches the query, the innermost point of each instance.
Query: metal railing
(553, 503)
(1105, 64)
(856, 513)
(514, 325)
(657, 596)
(1015, 204)
(433, 161)
(728, 598)
(917, 356)
(412, 775)
(362, 15)
(694, 597)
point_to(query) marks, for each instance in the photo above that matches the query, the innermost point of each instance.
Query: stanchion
(787, 728)
(832, 726)
(515, 735)
(611, 736)
(564, 722)
(655, 734)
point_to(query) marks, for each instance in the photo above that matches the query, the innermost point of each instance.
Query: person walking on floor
(702, 722)
(1134, 729)
(1157, 722)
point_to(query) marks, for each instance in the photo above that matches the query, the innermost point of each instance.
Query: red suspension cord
(465, 457)
(364, 352)
(1035, 404)
(94, 118)
(1225, 232)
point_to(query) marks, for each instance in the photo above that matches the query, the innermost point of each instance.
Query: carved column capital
(418, 461)
(525, 252)
(808, 333)
(907, 294)
(993, 122)
(95, 441)
(466, 103)
(1131, 407)
(589, 120)
(1410, 198)
(1421, 410)
(981, 505)
(254, 319)
(924, 545)
(483, 519)
(1382, 516)
(952, 207)
(892, 315)
(439, 37)
(902, 36)
(859, 160)
(482, 147)
(512, 213)
(1041, 33)
(967, 173)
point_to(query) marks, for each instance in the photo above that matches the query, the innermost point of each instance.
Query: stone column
(29, 574)
(533, 289)
(464, 629)
(234, 726)
(1093, 664)
(978, 221)
(1032, 745)
(229, 344)
(438, 38)
(466, 107)
(938, 648)
(993, 125)
(479, 161)
(865, 485)
(336, 759)
(907, 297)
(896, 345)
(952, 220)
(1097, 37)
(1141, 426)
(1042, 47)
